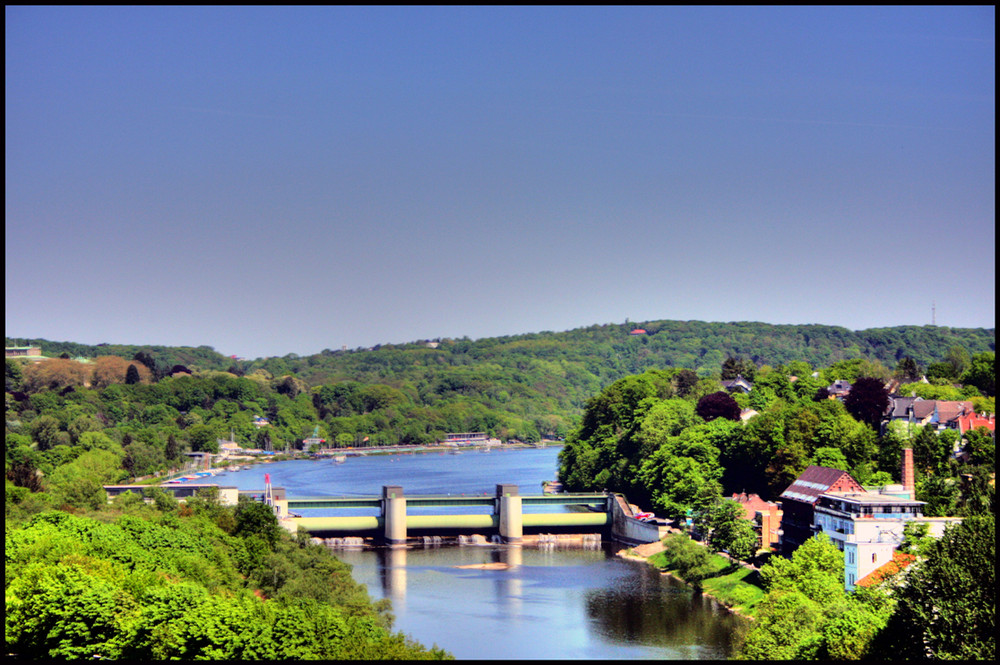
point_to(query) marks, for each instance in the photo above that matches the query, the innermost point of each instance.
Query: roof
(924, 408)
(873, 498)
(752, 503)
(948, 411)
(816, 480)
(738, 382)
(638, 331)
(840, 385)
(900, 560)
(973, 420)
(900, 407)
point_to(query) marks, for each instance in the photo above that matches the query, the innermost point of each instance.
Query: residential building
(839, 388)
(23, 352)
(765, 517)
(798, 502)
(867, 526)
(739, 384)
(888, 570)
(973, 420)
(901, 408)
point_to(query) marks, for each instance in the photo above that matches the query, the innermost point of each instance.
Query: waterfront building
(867, 526)
(798, 502)
(765, 517)
(28, 352)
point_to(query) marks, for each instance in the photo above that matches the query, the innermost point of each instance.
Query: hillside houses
(867, 526)
(944, 414)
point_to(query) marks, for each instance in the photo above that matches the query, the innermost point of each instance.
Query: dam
(397, 517)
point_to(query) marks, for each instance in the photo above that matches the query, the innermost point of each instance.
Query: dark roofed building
(901, 408)
(739, 384)
(798, 502)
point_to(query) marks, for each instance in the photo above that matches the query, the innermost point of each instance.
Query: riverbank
(738, 590)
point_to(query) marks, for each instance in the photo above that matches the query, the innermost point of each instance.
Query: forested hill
(598, 353)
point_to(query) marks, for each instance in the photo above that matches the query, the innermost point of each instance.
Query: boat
(340, 459)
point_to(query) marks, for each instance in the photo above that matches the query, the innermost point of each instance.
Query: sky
(272, 180)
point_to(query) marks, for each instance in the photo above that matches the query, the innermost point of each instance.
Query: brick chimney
(908, 471)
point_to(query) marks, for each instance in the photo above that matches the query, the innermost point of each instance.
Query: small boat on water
(340, 459)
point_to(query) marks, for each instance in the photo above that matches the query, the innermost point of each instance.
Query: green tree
(45, 430)
(203, 438)
(947, 606)
(907, 370)
(804, 592)
(832, 458)
(816, 569)
(254, 518)
(80, 483)
(980, 446)
(732, 531)
(12, 375)
(958, 358)
(982, 373)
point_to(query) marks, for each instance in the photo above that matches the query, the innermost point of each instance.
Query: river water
(546, 603)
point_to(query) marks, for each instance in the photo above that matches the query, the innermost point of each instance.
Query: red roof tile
(900, 560)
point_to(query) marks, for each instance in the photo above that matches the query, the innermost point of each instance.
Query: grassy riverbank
(737, 587)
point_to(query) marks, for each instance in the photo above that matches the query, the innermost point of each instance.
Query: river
(546, 603)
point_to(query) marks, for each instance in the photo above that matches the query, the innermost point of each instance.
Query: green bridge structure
(398, 516)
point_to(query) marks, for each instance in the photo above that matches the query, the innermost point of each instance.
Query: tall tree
(958, 358)
(947, 607)
(132, 375)
(733, 367)
(732, 531)
(982, 373)
(907, 370)
(868, 401)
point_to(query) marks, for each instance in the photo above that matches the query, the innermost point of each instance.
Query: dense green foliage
(140, 584)
(637, 437)
(947, 608)
(807, 614)
(133, 411)
(536, 384)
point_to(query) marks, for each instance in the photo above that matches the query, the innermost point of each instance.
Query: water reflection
(517, 602)
(653, 609)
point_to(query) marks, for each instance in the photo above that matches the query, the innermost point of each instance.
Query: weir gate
(397, 516)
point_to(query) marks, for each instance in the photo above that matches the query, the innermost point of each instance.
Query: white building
(868, 526)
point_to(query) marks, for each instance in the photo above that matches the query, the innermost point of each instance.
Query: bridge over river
(396, 517)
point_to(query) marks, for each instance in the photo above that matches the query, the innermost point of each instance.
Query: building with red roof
(765, 517)
(888, 570)
(971, 421)
(798, 502)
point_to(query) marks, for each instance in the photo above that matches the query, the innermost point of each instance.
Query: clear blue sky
(283, 180)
